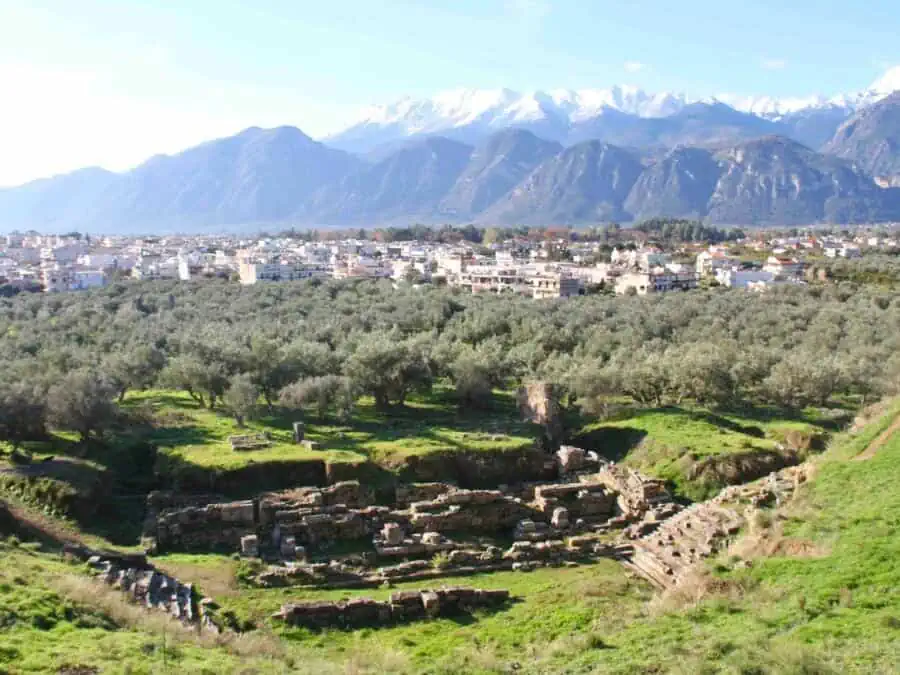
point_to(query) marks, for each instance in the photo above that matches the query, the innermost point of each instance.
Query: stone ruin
(666, 553)
(250, 441)
(595, 509)
(401, 607)
(145, 585)
(203, 528)
(539, 403)
(430, 530)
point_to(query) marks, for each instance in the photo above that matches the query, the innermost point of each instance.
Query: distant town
(538, 263)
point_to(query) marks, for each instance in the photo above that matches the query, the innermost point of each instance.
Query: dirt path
(883, 438)
(33, 523)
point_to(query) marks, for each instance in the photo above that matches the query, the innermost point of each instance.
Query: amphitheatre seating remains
(666, 554)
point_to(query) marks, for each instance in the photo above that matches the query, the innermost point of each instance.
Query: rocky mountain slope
(871, 138)
(281, 177)
(587, 182)
(257, 176)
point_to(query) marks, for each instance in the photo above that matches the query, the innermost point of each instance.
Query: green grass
(426, 424)
(669, 442)
(47, 623)
(836, 611)
(553, 608)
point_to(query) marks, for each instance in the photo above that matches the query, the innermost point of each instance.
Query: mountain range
(556, 158)
(620, 114)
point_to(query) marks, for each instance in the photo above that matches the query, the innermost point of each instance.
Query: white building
(735, 278)
(783, 266)
(843, 251)
(658, 281)
(709, 262)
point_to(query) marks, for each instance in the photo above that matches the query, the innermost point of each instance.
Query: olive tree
(82, 402)
(242, 398)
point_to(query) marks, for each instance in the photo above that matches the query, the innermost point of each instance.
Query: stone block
(288, 547)
(560, 517)
(526, 527)
(570, 458)
(392, 534)
(250, 546)
(431, 538)
(237, 512)
(431, 601)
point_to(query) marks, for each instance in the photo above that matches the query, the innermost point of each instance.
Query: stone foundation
(402, 606)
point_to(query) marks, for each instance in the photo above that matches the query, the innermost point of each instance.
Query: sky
(112, 82)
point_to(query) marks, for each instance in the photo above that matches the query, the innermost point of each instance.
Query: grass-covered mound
(413, 442)
(701, 451)
(61, 485)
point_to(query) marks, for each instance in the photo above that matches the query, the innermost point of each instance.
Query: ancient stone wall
(143, 584)
(468, 510)
(407, 493)
(402, 606)
(636, 493)
(539, 403)
(203, 528)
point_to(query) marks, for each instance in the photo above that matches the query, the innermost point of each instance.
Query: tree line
(66, 359)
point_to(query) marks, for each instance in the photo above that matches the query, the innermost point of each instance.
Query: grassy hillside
(810, 588)
(54, 620)
(700, 451)
(426, 424)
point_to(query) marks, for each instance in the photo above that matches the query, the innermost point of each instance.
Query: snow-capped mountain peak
(498, 108)
(470, 112)
(888, 83)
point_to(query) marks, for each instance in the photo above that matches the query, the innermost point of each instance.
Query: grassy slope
(425, 425)
(667, 442)
(838, 611)
(557, 608)
(835, 611)
(43, 629)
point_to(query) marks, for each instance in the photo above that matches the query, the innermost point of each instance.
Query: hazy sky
(111, 82)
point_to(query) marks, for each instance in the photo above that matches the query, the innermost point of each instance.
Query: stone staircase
(702, 530)
(697, 532)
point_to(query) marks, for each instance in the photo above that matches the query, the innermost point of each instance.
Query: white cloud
(634, 66)
(774, 64)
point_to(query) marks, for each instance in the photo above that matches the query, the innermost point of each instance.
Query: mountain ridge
(471, 114)
(282, 176)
